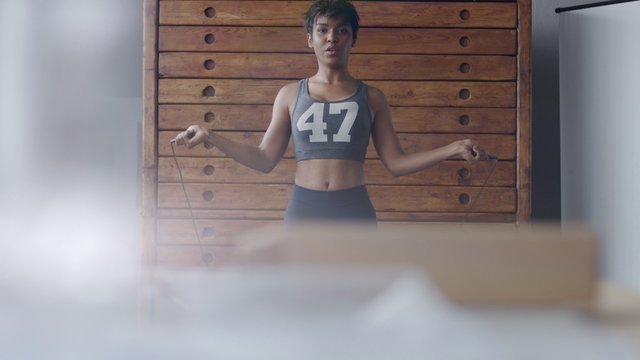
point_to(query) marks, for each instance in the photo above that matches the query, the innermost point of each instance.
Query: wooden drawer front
(288, 13)
(446, 217)
(501, 146)
(405, 119)
(225, 196)
(382, 215)
(454, 199)
(365, 67)
(370, 40)
(398, 93)
(243, 214)
(222, 171)
(227, 171)
(192, 255)
(384, 198)
(219, 232)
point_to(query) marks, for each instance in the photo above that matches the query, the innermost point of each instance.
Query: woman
(331, 117)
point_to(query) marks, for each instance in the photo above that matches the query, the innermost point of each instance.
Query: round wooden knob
(209, 38)
(210, 12)
(465, 14)
(207, 195)
(464, 94)
(463, 198)
(209, 117)
(465, 68)
(207, 231)
(209, 169)
(464, 120)
(463, 173)
(209, 64)
(209, 91)
(207, 258)
(464, 41)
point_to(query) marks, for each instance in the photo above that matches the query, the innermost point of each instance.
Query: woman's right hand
(194, 135)
(469, 150)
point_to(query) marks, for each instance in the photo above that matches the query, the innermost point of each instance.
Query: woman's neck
(332, 76)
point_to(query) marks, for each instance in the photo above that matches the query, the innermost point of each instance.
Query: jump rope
(207, 258)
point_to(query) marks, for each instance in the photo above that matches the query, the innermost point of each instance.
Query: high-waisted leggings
(351, 204)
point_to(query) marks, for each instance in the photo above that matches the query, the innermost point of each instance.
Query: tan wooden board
(524, 110)
(179, 256)
(398, 93)
(501, 146)
(227, 231)
(210, 232)
(370, 40)
(379, 13)
(405, 119)
(384, 198)
(391, 216)
(149, 128)
(228, 171)
(242, 214)
(364, 67)
(479, 265)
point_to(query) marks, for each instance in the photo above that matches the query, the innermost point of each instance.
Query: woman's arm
(394, 158)
(263, 157)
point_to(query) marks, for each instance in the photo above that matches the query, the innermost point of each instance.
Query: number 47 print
(317, 126)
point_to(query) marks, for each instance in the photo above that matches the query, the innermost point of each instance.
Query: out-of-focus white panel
(600, 123)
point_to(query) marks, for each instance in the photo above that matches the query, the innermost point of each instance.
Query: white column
(600, 128)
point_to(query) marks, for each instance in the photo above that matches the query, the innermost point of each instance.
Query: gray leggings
(341, 205)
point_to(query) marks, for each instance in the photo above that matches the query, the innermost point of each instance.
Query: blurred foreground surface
(279, 309)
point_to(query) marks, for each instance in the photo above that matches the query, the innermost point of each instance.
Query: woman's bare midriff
(329, 174)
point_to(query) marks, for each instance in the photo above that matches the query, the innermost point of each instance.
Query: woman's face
(331, 40)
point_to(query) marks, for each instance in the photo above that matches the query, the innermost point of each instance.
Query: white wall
(70, 110)
(600, 123)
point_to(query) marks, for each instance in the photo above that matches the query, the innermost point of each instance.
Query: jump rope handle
(206, 144)
(490, 157)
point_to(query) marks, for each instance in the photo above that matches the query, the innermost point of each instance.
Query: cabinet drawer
(225, 196)
(502, 174)
(218, 232)
(501, 146)
(398, 93)
(443, 198)
(225, 170)
(193, 255)
(405, 119)
(384, 198)
(365, 67)
(370, 40)
(391, 216)
(241, 214)
(379, 13)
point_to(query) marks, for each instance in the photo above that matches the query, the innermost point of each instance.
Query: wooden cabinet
(450, 70)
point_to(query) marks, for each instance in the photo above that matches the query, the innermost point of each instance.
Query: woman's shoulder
(289, 90)
(287, 96)
(374, 94)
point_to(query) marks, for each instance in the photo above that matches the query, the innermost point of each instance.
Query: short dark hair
(333, 9)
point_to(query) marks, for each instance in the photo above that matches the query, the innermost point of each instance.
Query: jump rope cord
(204, 256)
(484, 185)
(207, 258)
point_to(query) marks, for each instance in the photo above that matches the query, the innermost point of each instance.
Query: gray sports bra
(332, 129)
